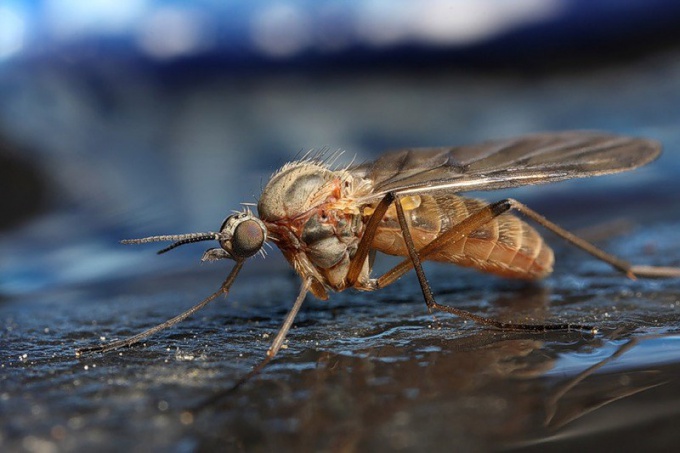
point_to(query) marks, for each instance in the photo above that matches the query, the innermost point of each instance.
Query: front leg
(364, 248)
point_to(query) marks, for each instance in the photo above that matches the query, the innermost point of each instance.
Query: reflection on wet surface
(361, 371)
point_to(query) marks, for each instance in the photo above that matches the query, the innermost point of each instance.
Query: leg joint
(502, 206)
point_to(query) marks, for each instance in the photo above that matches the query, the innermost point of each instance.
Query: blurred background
(122, 118)
(130, 118)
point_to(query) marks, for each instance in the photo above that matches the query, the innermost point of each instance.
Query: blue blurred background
(123, 118)
(242, 33)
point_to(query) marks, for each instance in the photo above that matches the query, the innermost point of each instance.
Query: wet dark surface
(130, 155)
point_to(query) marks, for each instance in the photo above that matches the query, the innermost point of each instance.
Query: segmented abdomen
(506, 246)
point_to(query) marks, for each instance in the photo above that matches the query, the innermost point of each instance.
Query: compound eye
(248, 239)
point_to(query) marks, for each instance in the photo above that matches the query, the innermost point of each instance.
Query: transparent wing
(531, 159)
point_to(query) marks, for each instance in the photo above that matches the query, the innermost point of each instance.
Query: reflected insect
(329, 224)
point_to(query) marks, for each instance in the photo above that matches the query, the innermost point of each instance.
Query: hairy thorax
(311, 215)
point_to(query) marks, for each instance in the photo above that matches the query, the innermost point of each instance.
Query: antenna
(180, 239)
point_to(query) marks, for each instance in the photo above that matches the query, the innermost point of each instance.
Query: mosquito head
(241, 236)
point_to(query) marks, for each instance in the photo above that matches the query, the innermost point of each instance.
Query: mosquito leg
(619, 264)
(280, 336)
(473, 222)
(224, 289)
(366, 241)
(271, 352)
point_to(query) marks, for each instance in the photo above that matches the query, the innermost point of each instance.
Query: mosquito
(330, 223)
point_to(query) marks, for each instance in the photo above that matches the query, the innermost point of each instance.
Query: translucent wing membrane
(531, 159)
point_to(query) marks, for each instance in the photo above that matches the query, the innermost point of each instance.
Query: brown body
(506, 246)
(317, 218)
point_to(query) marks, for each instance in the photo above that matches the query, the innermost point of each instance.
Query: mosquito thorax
(242, 235)
(293, 190)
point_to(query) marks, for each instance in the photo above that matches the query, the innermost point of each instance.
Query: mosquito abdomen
(506, 246)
